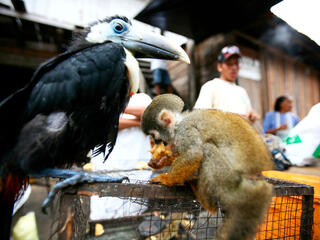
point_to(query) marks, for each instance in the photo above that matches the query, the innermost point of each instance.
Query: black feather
(71, 105)
(79, 84)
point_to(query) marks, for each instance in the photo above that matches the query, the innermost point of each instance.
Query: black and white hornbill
(71, 105)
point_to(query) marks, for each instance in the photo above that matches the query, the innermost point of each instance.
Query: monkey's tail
(247, 211)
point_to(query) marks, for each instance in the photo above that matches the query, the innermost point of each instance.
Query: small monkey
(226, 154)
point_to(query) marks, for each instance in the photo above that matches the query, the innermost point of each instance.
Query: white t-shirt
(223, 95)
(131, 147)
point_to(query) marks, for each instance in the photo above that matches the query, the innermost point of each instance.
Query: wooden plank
(127, 190)
(296, 88)
(154, 191)
(300, 90)
(271, 82)
(178, 70)
(254, 91)
(264, 91)
(292, 78)
(291, 84)
(289, 79)
(316, 87)
(280, 77)
(249, 52)
(309, 87)
(21, 60)
(193, 85)
(304, 77)
(37, 19)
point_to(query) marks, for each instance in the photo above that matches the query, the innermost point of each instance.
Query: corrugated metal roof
(81, 12)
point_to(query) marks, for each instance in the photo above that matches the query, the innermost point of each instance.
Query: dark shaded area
(201, 19)
(13, 78)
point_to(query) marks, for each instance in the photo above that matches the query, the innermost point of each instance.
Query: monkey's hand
(161, 156)
(166, 179)
(160, 163)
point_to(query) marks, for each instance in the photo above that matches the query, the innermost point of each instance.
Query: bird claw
(71, 178)
(125, 179)
(46, 204)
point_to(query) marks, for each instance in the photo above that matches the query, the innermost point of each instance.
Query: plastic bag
(303, 141)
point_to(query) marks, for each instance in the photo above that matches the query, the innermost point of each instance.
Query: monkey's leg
(212, 209)
(243, 200)
(215, 175)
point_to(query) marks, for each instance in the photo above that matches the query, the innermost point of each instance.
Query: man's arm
(275, 130)
(253, 116)
(135, 111)
(127, 123)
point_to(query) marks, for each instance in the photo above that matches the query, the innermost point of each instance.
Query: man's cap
(227, 52)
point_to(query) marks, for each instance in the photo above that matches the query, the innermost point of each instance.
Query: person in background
(222, 93)
(161, 77)
(132, 144)
(281, 120)
(131, 152)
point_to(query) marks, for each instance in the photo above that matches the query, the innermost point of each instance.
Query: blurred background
(279, 57)
(279, 41)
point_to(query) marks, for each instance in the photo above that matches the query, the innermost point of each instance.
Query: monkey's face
(160, 136)
(166, 121)
(159, 118)
(154, 134)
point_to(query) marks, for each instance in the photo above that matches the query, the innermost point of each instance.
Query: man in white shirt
(222, 93)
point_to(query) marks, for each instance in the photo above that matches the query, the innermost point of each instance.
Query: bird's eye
(119, 27)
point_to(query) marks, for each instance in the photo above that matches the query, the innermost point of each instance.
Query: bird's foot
(71, 178)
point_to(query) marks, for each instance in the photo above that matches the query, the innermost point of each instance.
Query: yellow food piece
(159, 150)
(142, 165)
(98, 230)
(87, 166)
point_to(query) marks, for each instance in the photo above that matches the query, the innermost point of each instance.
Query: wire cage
(139, 210)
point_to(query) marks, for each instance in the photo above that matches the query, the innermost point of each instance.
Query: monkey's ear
(166, 118)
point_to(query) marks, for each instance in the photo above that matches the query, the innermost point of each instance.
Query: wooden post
(193, 89)
(306, 217)
(74, 215)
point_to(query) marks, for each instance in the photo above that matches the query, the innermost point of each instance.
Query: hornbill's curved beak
(152, 45)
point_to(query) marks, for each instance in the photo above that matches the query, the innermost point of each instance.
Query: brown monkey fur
(224, 151)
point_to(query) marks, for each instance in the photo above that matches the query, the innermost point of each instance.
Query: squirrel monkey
(224, 151)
